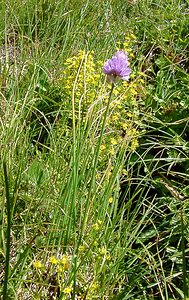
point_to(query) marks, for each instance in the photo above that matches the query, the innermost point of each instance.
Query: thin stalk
(7, 259)
(184, 271)
(96, 155)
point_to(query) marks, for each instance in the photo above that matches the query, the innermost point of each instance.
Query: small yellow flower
(131, 55)
(124, 125)
(112, 152)
(132, 36)
(134, 144)
(115, 92)
(67, 290)
(37, 264)
(110, 200)
(141, 73)
(109, 173)
(60, 269)
(131, 132)
(124, 172)
(102, 147)
(94, 286)
(113, 141)
(82, 248)
(141, 81)
(103, 251)
(115, 117)
(96, 226)
(129, 114)
(108, 257)
(133, 91)
(53, 260)
(64, 261)
(99, 222)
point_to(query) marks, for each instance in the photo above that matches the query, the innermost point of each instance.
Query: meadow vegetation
(94, 194)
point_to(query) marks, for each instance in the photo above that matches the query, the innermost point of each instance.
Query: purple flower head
(117, 67)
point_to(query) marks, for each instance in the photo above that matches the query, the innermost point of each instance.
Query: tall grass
(94, 197)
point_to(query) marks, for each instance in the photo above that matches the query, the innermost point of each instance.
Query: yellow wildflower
(134, 144)
(113, 141)
(64, 261)
(82, 248)
(108, 257)
(67, 290)
(60, 269)
(110, 200)
(53, 260)
(96, 226)
(94, 286)
(103, 250)
(112, 152)
(37, 264)
(102, 147)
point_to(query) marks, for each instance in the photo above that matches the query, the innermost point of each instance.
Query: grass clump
(94, 197)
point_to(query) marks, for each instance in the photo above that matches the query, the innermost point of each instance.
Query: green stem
(7, 259)
(184, 271)
(96, 155)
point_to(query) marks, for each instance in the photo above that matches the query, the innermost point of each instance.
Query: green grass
(94, 182)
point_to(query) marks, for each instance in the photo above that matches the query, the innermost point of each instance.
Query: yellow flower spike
(67, 290)
(131, 131)
(53, 260)
(141, 73)
(37, 264)
(112, 104)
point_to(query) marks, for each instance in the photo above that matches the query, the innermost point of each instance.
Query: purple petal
(118, 66)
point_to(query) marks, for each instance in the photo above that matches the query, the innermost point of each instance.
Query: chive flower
(117, 67)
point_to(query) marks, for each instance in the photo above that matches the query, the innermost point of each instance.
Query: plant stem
(96, 155)
(7, 259)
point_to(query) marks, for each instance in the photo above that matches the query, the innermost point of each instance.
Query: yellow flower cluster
(80, 79)
(62, 264)
(127, 45)
(97, 226)
(58, 266)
